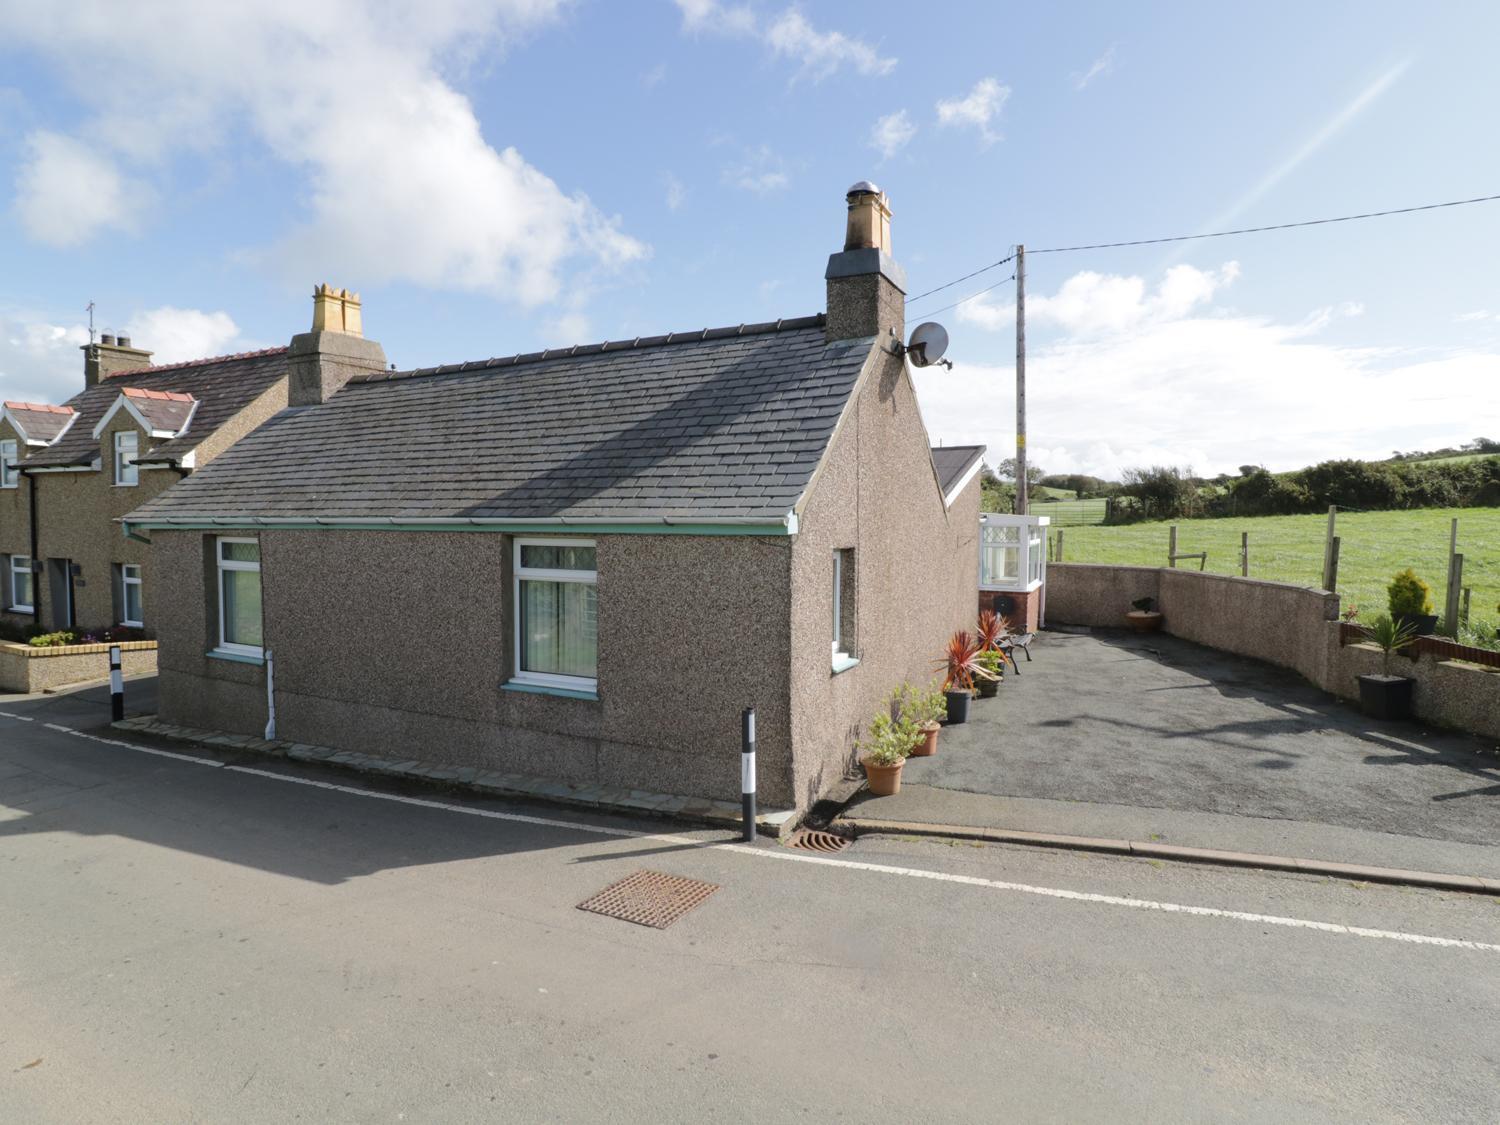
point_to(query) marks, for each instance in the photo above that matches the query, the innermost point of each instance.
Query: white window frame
(586, 577)
(13, 568)
(9, 458)
(838, 603)
(233, 564)
(1031, 537)
(125, 583)
(127, 472)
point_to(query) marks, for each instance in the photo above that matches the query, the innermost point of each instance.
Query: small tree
(1409, 596)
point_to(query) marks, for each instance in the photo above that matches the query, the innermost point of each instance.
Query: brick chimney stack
(109, 357)
(866, 286)
(320, 362)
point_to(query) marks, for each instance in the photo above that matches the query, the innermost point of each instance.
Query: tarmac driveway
(1149, 737)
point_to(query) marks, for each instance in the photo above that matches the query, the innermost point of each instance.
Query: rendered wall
(916, 573)
(398, 644)
(25, 669)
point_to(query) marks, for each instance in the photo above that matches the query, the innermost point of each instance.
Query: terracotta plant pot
(926, 746)
(1144, 620)
(884, 781)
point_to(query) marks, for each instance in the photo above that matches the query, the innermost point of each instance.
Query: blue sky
(499, 176)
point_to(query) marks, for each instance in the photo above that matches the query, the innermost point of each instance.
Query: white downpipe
(270, 699)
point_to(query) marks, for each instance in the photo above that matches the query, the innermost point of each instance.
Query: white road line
(822, 861)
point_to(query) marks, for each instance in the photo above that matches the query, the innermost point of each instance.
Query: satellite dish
(928, 343)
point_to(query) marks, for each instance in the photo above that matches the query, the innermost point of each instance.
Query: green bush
(889, 741)
(53, 640)
(921, 707)
(1409, 596)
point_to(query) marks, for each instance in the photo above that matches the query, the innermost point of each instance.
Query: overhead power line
(1274, 226)
(965, 300)
(1190, 237)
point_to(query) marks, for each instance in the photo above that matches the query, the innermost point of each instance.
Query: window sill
(544, 689)
(235, 657)
(26, 609)
(842, 662)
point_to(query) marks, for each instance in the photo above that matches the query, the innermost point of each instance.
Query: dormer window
(9, 478)
(127, 447)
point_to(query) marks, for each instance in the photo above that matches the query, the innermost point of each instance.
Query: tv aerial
(928, 343)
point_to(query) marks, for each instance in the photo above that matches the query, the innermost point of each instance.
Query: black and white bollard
(116, 685)
(747, 773)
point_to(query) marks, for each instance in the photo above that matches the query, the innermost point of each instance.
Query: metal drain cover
(649, 898)
(811, 840)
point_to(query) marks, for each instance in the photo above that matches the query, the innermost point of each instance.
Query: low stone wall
(1295, 627)
(25, 669)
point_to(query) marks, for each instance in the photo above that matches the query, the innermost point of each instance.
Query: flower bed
(26, 668)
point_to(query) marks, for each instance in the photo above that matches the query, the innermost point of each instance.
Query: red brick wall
(1024, 612)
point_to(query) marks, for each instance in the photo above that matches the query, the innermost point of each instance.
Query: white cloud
(39, 359)
(402, 184)
(1100, 67)
(789, 35)
(977, 109)
(654, 76)
(1470, 317)
(173, 335)
(67, 192)
(892, 133)
(1124, 373)
(676, 191)
(761, 171)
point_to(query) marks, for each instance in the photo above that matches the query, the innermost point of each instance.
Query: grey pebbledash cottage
(582, 563)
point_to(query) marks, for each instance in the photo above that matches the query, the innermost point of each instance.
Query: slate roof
(39, 421)
(722, 424)
(953, 461)
(164, 410)
(223, 386)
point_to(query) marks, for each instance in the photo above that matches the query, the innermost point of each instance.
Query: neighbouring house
(69, 473)
(583, 563)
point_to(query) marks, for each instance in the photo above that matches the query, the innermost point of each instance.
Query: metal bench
(1015, 641)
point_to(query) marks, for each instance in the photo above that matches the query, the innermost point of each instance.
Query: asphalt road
(186, 941)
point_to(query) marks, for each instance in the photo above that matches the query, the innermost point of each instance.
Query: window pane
(998, 533)
(133, 601)
(240, 552)
(241, 607)
(20, 580)
(559, 628)
(548, 556)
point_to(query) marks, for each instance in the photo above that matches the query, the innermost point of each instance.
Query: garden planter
(1144, 620)
(884, 781)
(1385, 697)
(987, 688)
(1424, 623)
(926, 746)
(958, 706)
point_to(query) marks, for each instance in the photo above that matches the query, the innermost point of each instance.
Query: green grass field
(1374, 546)
(1070, 513)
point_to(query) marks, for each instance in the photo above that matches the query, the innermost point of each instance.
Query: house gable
(159, 414)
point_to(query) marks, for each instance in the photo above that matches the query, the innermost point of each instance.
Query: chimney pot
(124, 341)
(107, 339)
(866, 287)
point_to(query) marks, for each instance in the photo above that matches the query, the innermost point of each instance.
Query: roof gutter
(659, 525)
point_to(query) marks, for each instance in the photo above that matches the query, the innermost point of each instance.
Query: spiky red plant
(992, 630)
(960, 663)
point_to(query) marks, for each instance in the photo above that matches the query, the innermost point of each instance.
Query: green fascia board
(132, 527)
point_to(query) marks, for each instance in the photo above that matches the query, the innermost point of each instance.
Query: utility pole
(1021, 486)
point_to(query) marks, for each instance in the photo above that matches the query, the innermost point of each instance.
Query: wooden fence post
(1465, 612)
(1455, 582)
(1059, 545)
(1330, 552)
(1245, 554)
(1172, 547)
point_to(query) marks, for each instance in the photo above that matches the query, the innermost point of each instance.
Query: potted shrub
(883, 752)
(927, 710)
(1386, 696)
(992, 630)
(1144, 617)
(993, 662)
(961, 668)
(1411, 603)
